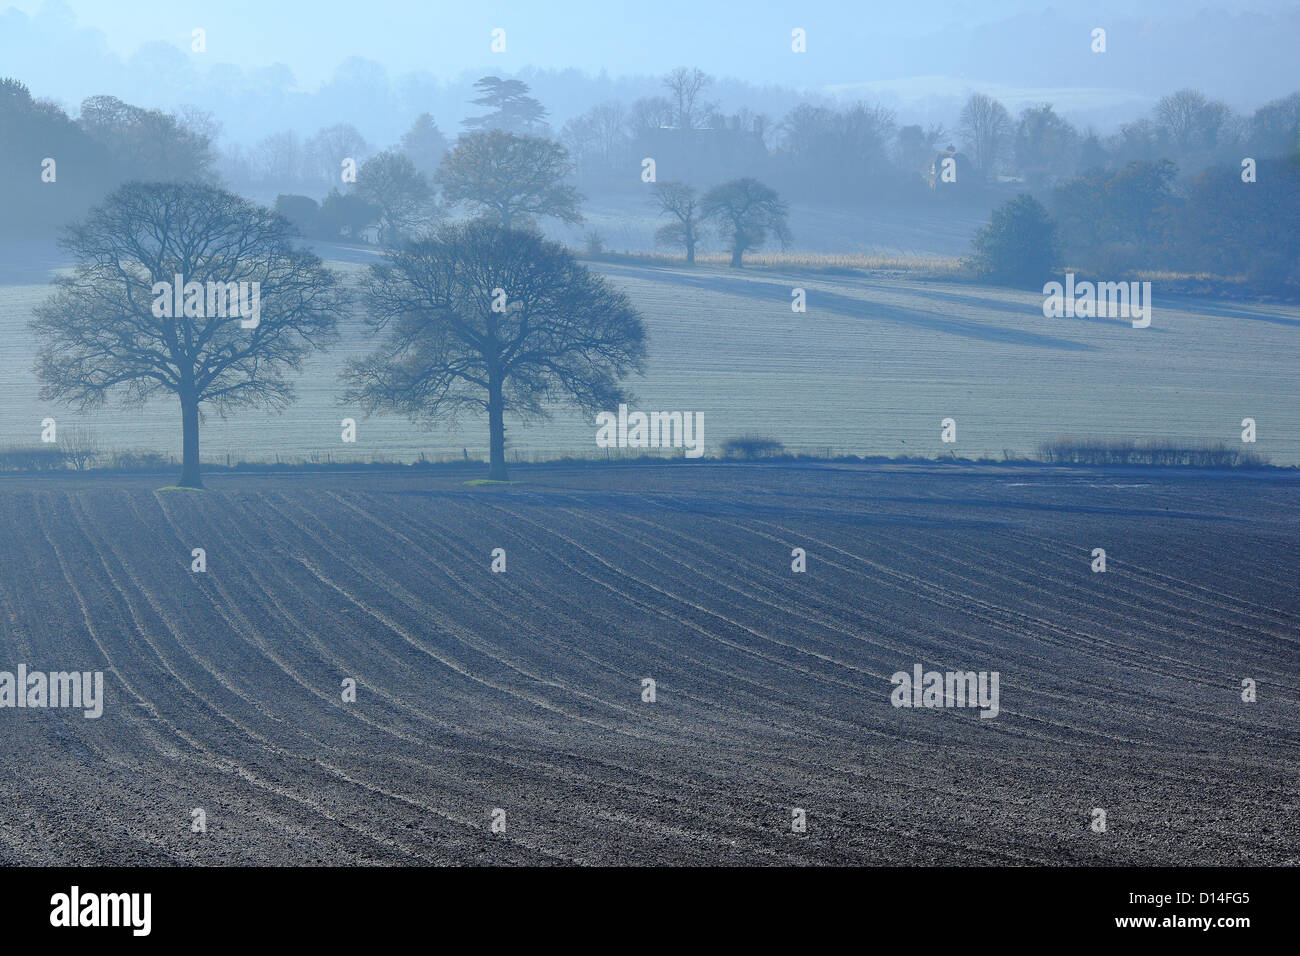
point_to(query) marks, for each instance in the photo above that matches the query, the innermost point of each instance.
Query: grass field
(872, 368)
(522, 691)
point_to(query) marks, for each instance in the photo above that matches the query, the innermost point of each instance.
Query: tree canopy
(745, 211)
(510, 179)
(102, 330)
(486, 319)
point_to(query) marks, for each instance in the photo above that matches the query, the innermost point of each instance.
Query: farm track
(522, 690)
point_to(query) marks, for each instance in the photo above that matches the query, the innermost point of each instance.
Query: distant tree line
(53, 167)
(1160, 192)
(1233, 220)
(862, 153)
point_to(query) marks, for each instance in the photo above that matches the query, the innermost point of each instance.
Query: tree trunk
(690, 252)
(736, 253)
(497, 431)
(190, 427)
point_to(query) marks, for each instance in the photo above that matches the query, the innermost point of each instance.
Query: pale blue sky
(748, 40)
(920, 57)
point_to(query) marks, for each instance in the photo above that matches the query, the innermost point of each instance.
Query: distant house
(706, 155)
(959, 164)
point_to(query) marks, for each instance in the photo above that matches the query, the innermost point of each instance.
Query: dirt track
(523, 690)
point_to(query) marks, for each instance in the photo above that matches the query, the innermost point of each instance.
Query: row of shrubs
(1062, 451)
(1073, 451)
(54, 458)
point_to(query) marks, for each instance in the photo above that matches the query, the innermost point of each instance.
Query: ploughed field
(522, 691)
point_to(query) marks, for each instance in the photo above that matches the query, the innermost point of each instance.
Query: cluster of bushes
(337, 216)
(752, 446)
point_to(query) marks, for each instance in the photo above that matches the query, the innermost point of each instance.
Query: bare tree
(985, 127)
(486, 319)
(79, 447)
(324, 152)
(1191, 121)
(746, 211)
(510, 179)
(110, 326)
(678, 200)
(390, 182)
(648, 114)
(686, 88)
(597, 138)
(281, 160)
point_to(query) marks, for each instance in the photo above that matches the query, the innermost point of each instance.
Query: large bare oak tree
(482, 318)
(100, 333)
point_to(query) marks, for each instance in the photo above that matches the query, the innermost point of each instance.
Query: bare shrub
(80, 449)
(752, 446)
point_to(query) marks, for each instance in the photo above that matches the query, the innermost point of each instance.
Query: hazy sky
(922, 57)
(849, 41)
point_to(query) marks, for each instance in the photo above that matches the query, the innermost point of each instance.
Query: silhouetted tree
(510, 179)
(840, 154)
(1045, 145)
(344, 215)
(1138, 140)
(985, 127)
(486, 319)
(147, 144)
(1116, 220)
(100, 334)
(1191, 122)
(303, 212)
(1018, 245)
(648, 114)
(678, 200)
(1275, 127)
(390, 182)
(1230, 228)
(745, 211)
(513, 110)
(281, 160)
(32, 131)
(686, 92)
(597, 139)
(325, 152)
(425, 145)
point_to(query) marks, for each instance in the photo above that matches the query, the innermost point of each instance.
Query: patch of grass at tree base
(473, 483)
(179, 488)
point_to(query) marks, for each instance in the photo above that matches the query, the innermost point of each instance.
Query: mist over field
(1128, 146)
(675, 434)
